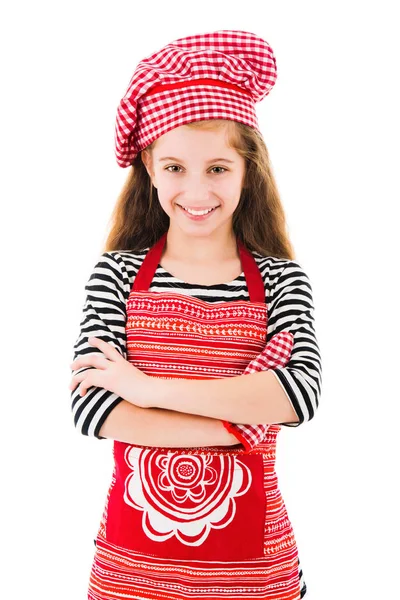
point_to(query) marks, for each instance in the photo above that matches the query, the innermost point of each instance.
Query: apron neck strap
(255, 283)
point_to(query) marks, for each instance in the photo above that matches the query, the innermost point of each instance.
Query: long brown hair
(138, 220)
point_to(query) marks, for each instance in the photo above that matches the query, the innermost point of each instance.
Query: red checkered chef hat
(218, 75)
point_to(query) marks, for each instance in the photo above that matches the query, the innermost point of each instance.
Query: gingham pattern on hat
(218, 75)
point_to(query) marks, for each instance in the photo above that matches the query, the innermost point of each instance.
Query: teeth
(198, 212)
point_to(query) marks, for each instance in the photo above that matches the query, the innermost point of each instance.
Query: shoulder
(273, 267)
(127, 260)
(281, 272)
(116, 270)
(124, 261)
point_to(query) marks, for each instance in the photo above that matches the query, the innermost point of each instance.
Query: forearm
(252, 398)
(164, 428)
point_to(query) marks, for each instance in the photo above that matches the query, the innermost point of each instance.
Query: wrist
(157, 392)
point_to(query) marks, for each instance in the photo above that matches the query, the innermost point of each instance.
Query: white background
(331, 125)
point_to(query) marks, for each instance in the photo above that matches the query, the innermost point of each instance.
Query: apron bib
(205, 521)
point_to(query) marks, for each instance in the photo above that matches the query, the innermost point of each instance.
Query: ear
(148, 163)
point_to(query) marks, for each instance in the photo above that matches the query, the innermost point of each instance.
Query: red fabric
(241, 64)
(183, 84)
(186, 503)
(196, 522)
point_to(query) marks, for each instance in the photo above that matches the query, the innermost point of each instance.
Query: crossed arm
(189, 413)
(254, 398)
(164, 428)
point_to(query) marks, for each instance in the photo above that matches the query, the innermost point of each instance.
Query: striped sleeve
(292, 309)
(104, 316)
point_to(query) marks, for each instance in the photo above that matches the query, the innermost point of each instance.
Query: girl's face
(197, 169)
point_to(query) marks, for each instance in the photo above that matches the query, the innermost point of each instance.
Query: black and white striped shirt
(288, 294)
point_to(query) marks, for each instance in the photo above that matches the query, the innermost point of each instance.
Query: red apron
(205, 521)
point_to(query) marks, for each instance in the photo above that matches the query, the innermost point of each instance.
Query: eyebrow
(209, 161)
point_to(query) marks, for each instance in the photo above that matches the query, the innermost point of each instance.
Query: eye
(172, 167)
(178, 169)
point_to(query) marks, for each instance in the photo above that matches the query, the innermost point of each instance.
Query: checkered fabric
(275, 354)
(218, 75)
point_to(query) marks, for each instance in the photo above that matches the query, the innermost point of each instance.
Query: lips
(198, 217)
(191, 208)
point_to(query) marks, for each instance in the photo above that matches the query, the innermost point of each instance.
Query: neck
(200, 249)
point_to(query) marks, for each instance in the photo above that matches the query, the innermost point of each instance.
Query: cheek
(228, 190)
(167, 187)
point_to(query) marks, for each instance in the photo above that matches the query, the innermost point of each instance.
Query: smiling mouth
(198, 212)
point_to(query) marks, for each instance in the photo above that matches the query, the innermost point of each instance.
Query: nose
(196, 188)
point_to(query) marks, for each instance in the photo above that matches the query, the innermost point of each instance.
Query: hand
(113, 373)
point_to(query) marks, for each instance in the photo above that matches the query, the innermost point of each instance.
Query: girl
(197, 340)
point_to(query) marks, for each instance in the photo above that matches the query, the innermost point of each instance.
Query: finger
(95, 359)
(75, 381)
(107, 349)
(84, 379)
(84, 386)
(82, 390)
